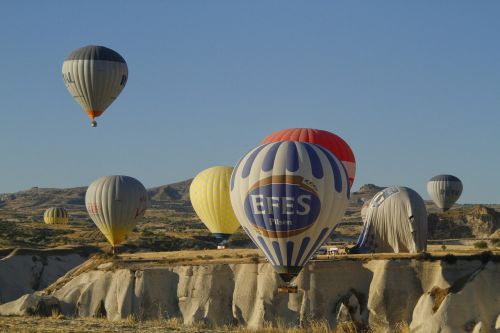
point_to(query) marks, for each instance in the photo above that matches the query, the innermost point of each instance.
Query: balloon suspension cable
(93, 123)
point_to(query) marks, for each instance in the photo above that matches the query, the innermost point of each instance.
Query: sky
(413, 87)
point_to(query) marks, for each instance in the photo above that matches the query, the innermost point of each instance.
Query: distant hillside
(44, 197)
(175, 191)
(462, 221)
(74, 198)
(472, 222)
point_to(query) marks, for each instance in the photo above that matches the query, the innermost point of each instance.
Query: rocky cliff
(460, 295)
(26, 271)
(475, 222)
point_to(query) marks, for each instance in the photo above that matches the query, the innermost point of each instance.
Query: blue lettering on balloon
(282, 207)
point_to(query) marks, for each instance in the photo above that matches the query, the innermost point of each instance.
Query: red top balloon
(334, 143)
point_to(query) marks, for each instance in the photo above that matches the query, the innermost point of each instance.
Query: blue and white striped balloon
(288, 196)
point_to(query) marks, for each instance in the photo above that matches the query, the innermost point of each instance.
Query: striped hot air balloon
(334, 143)
(444, 190)
(94, 76)
(209, 195)
(55, 215)
(288, 196)
(116, 204)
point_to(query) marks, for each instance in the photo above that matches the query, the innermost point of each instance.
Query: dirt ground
(41, 324)
(53, 325)
(73, 325)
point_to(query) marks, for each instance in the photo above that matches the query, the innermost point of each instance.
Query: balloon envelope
(94, 76)
(116, 204)
(395, 221)
(334, 143)
(288, 197)
(209, 195)
(55, 215)
(444, 190)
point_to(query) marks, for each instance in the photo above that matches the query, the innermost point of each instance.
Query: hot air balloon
(55, 215)
(116, 204)
(209, 195)
(396, 221)
(94, 76)
(288, 197)
(444, 190)
(334, 143)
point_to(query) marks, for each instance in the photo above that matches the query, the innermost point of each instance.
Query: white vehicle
(333, 251)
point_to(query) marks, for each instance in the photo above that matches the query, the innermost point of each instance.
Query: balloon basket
(287, 289)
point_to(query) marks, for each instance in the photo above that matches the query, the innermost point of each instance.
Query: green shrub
(481, 245)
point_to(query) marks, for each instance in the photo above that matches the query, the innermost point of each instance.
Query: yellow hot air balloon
(209, 194)
(56, 215)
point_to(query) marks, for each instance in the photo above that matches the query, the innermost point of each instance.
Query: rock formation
(432, 296)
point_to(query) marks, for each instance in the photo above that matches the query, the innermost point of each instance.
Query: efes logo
(282, 206)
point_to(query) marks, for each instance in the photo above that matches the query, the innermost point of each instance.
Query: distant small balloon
(444, 190)
(94, 76)
(55, 215)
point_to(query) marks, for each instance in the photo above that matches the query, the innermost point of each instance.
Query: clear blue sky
(413, 87)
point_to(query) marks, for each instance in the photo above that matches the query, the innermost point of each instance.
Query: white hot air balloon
(444, 190)
(94, 76)
(395, 221)
(288, 196)
(116, 204)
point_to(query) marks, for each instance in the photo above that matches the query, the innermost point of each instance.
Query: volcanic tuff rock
(478, 221)
(22, 273)
(432, 296)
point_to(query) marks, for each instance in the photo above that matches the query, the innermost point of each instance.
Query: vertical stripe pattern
(444, 190)
(272, 193)
(116, 204)
(395, 222)
(94, 76)
(332, 142)
(56, 215)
